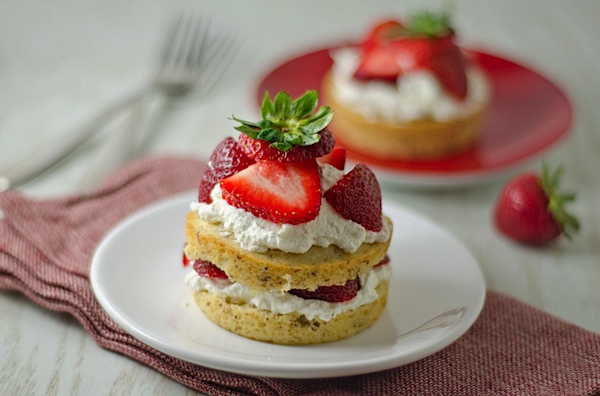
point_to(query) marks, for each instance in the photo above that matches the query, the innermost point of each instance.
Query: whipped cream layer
(416, 95)
(284, 303)
(259, 235)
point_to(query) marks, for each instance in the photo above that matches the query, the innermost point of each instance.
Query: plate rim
(277, 370)
(440, 178)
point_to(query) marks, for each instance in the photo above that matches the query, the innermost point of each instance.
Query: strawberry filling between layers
(325, 302)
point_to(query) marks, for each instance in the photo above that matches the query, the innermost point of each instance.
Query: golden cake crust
(277, 270)
(416, 140)
(293, 328)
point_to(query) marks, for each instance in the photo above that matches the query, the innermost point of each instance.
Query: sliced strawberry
(440, 55)
(357, 197)
(227, 159)
(449, 67)
(336, 293)
(186, 260)
(336, 158)
(385, 260)
(260, 150)
(207, 269)
(378, 63)
(378, 58)
(380, 32)
(390, 51)
(276, 191)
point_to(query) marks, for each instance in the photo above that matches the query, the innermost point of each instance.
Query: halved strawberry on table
(426, 42)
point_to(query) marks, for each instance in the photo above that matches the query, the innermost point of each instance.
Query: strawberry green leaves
(550, 182)
(430, 24)
(288, 123)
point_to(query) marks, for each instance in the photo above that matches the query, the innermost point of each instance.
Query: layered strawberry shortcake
(284, 245)
(407, 92)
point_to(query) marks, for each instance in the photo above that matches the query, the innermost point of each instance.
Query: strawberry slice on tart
(425, 42)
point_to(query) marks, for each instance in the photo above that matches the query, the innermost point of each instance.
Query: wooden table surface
(62, 62)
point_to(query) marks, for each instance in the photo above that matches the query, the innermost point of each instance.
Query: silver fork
(192, 59)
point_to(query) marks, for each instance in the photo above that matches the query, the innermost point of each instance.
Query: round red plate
(528, 114)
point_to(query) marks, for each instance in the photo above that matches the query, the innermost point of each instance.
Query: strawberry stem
(557, 200)
(430, 24)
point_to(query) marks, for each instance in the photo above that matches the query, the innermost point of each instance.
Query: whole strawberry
(530, 209)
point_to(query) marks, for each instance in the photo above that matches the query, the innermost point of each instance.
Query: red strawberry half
(276, 191)
(186, 261)
(357, 197)
(336, 158)
(227, 159)
(385, 260)
(530, 209)
(207, 269)
(261, 150)
(449, 66)
(378, 63)
(336, 293)
(382, 31)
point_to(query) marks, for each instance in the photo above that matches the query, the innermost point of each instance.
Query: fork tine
(198, 44)
(185, 42)
(172, 43)
(192, 56)
(218, 57)
(180, 44)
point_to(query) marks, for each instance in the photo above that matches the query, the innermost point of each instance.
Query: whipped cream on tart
(407, 91)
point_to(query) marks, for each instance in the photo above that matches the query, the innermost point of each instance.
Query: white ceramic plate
(436, 293)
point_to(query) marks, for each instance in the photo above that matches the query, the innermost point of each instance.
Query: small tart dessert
(407, 92)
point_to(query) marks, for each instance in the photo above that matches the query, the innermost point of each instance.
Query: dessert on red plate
(407, 91)
(286, 246)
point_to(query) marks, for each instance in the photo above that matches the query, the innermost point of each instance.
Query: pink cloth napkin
(46, 249)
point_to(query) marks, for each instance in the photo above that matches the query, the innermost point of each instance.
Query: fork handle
(45, 158)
